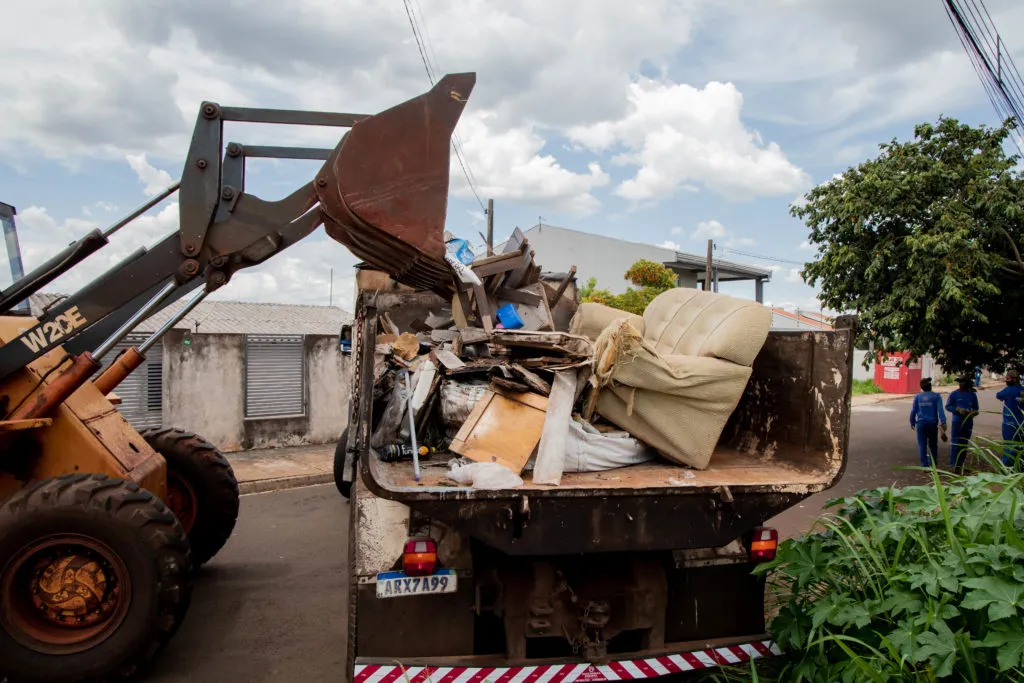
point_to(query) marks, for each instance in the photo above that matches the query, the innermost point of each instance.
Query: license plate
(398, 585)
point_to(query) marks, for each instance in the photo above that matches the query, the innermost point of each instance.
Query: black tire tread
(156, 526)
(218, 520)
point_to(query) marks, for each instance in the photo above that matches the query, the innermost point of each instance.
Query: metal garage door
(275, 376)
(142, 391)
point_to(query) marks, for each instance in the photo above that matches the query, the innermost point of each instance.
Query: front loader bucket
(384, 192)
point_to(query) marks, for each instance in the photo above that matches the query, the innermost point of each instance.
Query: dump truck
(631, 573)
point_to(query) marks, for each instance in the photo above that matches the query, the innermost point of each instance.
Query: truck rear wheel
(201, 489)
(94, 579)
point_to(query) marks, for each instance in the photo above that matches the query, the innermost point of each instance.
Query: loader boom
(385, 183)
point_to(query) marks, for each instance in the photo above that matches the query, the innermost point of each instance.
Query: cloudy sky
(658, 121)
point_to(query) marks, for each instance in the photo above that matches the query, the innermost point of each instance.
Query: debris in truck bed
(503, 428)
(407, 346)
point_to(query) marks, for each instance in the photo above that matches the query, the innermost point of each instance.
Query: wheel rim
(64, 594)
(182, 500)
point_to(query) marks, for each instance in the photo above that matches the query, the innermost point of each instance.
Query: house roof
(810, 319)
(679, 260)
(236, 317)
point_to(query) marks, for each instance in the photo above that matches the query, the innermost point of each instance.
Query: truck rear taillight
(764, 545)
(419, 557)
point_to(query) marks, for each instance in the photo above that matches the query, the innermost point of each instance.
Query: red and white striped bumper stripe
(623, 670)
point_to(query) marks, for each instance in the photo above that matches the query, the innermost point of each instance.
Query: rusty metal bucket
(384, 191)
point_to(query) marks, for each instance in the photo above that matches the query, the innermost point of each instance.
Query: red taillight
(419, 557)
(764, 545)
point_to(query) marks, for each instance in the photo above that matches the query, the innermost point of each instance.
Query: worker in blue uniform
(963, 404)
(926, 415)
(1013, 417)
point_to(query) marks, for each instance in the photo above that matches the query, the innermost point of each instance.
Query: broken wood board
(502, 428)
(551, 451)
(442, 336)
(532, 379)
(551, 341)
(448, 359)
(474, 335)
(511, 385)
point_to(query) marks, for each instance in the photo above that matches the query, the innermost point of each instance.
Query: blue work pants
(928, 440)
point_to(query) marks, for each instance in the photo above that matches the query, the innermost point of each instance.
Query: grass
(865, 386)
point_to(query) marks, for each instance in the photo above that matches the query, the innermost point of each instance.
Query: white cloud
(740, 242)
(677, 134)
(775, 268)
(677, 230)
(794, 276)
(669, 244)
(805, 246)
(509, 165)
(155, 179)
(709, 230)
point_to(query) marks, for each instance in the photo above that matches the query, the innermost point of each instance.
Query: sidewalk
(871, 399)
(273, 469)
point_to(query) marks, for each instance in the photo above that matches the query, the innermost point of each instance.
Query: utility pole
(707, 267)
(490, 227)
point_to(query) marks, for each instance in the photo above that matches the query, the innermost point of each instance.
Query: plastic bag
(484, 475)
(460, 250)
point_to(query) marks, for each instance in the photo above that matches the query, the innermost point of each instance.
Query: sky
(667, 122)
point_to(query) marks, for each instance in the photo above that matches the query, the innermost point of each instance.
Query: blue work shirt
(927, 409)
(1013, 411)
(962, 399)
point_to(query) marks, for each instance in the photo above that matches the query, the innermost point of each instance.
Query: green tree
(650, 277)
(923, 243)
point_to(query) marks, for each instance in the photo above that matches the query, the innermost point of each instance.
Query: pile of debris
(495, 381)
(516, 376)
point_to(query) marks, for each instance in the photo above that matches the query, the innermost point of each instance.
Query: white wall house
(607, 259)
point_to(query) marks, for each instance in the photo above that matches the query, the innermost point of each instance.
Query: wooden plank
(449, 359)
(21, 425)
(517, 296)
(517, 278)
(515, 241)
(502, 428)
(536, 317)
(533, 379)
(442, 336)
(551, 452)
(474, 335)
(483, 307)
(563, 286)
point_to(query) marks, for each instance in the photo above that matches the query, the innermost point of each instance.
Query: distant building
(243, 375)
(607, 259)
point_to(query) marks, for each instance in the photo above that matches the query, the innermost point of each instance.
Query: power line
(762, 257)
(423, 46)
(996, 69)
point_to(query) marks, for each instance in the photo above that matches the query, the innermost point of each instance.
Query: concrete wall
(204, 392)
(605, 258)
(204, 384)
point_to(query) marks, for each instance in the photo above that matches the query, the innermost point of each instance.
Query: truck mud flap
(633, 669)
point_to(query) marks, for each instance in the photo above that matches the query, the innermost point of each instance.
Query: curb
(283, 483)
(871, 399)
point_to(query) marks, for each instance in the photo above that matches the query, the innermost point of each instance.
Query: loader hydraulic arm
(382, 191)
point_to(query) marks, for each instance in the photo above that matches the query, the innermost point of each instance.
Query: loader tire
(344, 487)
(95, 578)
(201, 488)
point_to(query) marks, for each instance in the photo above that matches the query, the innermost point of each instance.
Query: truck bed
(786, 440)
(729, 467)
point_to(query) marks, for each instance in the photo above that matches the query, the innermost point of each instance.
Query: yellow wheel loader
(101, 526)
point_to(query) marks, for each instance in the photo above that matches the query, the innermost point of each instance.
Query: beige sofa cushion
(591, 319)
(689, 322)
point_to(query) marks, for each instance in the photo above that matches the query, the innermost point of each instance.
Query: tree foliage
(923, 242)
(651, 279)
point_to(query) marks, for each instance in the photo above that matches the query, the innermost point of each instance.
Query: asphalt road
(271, 606)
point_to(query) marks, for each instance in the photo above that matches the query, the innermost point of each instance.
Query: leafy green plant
(651, 278)
(923, 583)
(865, 386)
